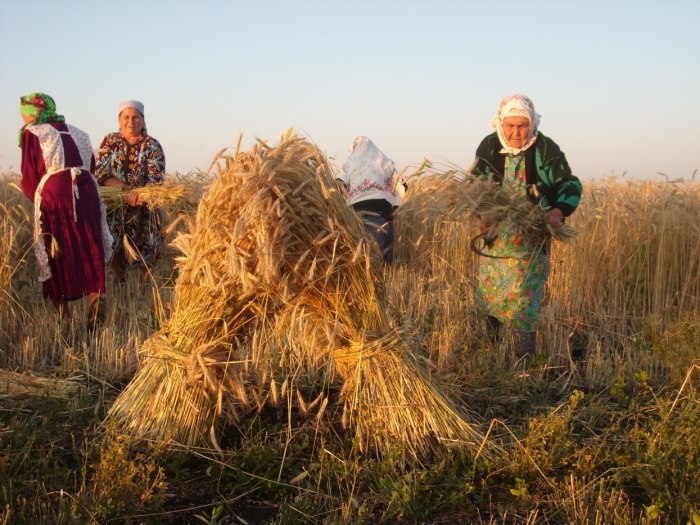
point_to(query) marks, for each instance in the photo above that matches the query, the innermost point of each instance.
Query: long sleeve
(102, 161)
(156, 163)
(556, 174)
(33, 167)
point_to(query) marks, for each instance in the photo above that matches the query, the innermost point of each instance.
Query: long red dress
(71, 223)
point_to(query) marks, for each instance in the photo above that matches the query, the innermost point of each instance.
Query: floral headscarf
(516, 105)
(367, 169)
(355, 142)
(41, 107)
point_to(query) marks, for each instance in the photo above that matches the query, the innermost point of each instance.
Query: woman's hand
(485, 225)
(554, 217)
(132, 199)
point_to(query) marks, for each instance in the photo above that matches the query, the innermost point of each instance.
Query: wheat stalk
(453, 193)
(181, 196)
(13, 384)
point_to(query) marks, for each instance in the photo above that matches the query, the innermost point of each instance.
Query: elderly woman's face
(516, 130)
(130, 122)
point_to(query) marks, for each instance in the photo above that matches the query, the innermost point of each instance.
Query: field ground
(602, 427)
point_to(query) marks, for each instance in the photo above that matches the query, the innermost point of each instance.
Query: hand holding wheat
(554, 217)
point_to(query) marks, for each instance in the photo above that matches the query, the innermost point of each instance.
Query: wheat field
(601, 427)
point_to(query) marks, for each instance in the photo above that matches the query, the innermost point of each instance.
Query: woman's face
(516, 130)
(27, 118)
(131, 122)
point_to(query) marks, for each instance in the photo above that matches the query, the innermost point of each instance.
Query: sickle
(472, 245)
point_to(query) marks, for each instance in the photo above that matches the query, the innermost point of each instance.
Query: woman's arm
(115, 183)
(33, 167)
(103, 173)
(555, 181)
(155, 169)
(103, 168)
(567, 185)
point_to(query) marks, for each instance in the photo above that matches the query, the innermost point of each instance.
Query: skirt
(76, 252)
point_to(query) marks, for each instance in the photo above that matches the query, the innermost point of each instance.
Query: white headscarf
(136, 105)
(516, 105)
(368, 173)
(131, 104)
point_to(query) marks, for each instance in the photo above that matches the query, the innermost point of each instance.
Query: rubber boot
(526, 345)
(493, 329)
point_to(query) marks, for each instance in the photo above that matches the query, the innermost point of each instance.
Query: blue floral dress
(136, 164)
(511, 289)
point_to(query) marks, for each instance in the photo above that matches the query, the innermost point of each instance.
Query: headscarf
(516, 105)
(355, 142)
(367, 163)
(40, 106)
(136, 105)
(367, 158)
(131, 104)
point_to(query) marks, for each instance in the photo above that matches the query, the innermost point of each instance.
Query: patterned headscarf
(516, 105)
(355, 142)
(367, 168)
(41, 107)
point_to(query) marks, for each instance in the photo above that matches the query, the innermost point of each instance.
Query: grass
(601, 428)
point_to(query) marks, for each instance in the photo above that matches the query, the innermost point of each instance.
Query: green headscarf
(41, 107)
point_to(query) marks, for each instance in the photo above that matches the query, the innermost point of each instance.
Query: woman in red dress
(71, 237)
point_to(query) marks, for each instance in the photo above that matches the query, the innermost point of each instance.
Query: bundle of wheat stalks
(13, 384)
(453, 192)
(279, 287)
(179, 196)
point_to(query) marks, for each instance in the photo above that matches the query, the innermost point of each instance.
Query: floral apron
(511, 289)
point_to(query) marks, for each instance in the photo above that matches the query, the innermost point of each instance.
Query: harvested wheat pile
(453, 193)
(179, 196)
(278, 285)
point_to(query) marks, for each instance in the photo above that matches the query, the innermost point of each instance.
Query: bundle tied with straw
(454, 192)
(278, 282)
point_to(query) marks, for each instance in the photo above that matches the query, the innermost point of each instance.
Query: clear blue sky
(617, 82)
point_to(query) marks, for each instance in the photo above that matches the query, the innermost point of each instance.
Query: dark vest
(499, 165)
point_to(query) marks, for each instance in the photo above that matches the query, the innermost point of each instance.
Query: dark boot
(526, 344)
(493, 329)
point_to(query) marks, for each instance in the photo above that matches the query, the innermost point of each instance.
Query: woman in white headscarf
(512, 278)
(371, 186)
(129, 159)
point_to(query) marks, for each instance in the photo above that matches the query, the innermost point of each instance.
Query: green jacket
(545, 167)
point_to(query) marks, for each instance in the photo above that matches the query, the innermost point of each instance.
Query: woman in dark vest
(518, 156)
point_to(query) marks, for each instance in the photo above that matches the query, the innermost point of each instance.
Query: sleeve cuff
(565, 208)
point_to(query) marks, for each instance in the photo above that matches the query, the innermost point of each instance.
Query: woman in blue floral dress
(512, 279)
(131, 159)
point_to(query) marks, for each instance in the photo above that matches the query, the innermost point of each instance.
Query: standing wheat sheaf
(278, 283)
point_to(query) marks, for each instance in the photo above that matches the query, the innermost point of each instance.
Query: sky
(616, 82)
